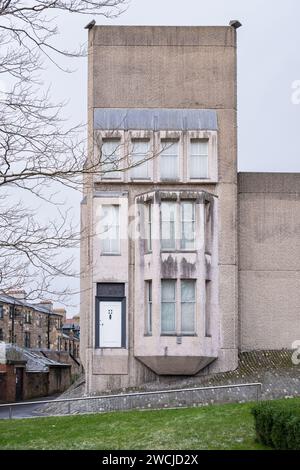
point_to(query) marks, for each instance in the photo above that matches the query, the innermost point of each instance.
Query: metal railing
(10, 406)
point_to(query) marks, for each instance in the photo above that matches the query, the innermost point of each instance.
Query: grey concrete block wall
(269, 260)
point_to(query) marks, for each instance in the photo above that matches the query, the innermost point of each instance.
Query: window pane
(169, 159)
(188, 306)
(198, 160)
(149, 306)
(188, 291)
(188, 318)
(187, 225)
(110, 235)
(168, 291)
(111, 158)
(168, 310)
(168, 225)
(140, 152)
(168, 317)
(148, 228)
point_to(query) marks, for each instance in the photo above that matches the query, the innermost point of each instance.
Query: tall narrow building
(159, 216)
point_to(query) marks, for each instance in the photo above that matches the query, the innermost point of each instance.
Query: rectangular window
(187, 225)
(149, 307)
(110, 235)
(11, 311)
(39, 341)
(188, 306)
(168, 225)
(169, 158)
(138, 163)
(207, 308)
(168, 307)
(198, 159)
(1, 335)
(110, 158)
(27, 339)
(1, 312)
(149, 217)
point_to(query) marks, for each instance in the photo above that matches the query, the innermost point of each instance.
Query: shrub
(277, 424)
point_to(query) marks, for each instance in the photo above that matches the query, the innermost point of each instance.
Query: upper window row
(138, 161)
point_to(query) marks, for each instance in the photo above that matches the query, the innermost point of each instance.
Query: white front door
(110, 325)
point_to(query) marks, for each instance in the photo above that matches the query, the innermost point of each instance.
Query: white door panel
(110, 325)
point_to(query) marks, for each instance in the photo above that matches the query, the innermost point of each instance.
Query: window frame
(191, 155)
(183, 222)
(134, 139)
(1, 312)
(175, 222)
(176, 140)
(194, 282)
(120, 155)
(149, 309)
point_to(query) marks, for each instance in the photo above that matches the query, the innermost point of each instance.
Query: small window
(168, 225)
(149, 307)
(198, 159)
(1, 335)
(149, 219)
(169, 158)
(168, 307)
(110, 158)
(1, 312)
(27, 339)
(139, 159)
(39, 341)
(110, 236)
(188, 306)
(187, 225)
(11, 311)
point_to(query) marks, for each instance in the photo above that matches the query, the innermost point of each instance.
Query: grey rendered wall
(269, 260)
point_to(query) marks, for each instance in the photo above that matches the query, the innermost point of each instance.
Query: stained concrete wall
(269, 260)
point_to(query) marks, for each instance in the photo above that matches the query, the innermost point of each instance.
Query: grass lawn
(213, 427)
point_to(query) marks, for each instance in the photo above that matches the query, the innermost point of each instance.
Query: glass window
(188, 306)
(187, 225)
(168, 225)
(110, 158)
(169, 159)
(27, 339)
(11, 311)
(149, 218)
(1, 334)
(168, 306)
(149, 307)
(198, 159)
(1, 311)
(138, 166)
(110, 235)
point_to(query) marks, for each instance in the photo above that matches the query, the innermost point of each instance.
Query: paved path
(22, 411)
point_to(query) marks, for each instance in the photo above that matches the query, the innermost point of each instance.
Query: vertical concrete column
(200, 247)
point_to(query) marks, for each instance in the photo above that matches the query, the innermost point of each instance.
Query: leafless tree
(37, 149)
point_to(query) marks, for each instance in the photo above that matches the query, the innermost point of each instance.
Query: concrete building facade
(164, 253)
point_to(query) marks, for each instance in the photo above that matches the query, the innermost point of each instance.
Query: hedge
(277, 424)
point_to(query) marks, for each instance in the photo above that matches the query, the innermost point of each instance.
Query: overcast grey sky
(268, 64)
